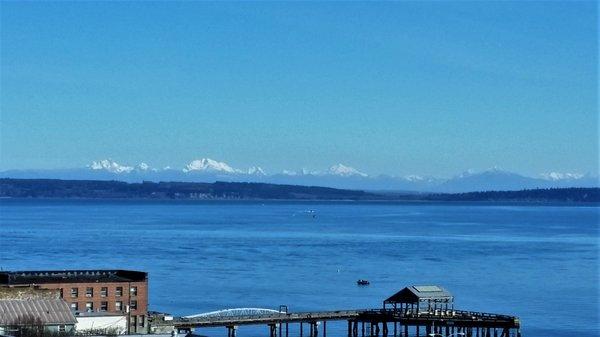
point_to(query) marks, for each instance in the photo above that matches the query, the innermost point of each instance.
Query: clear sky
(397, 88)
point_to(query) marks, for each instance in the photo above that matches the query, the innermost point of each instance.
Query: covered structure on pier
(424, 297)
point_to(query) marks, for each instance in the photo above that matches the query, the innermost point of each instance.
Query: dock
(412, 312)
(368, 322)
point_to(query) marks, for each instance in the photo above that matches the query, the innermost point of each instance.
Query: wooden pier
(368, 323)
(417, 312)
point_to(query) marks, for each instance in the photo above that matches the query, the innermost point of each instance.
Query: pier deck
(413, 311)
(369, 322)
(275, 318)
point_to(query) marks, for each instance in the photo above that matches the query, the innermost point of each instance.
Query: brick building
(93, 291)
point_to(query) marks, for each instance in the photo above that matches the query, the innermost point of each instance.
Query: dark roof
(414, 294)
(54, 311)
(70, 276)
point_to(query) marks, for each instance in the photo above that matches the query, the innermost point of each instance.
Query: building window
(89, 292)
(133, 291)
(62, 328)
(103, 306)
(118, 306)
(103, 291)
(74, 292)
(75, 306)
(119, 291)
(141, 321)
(89, 306)
(133, 305)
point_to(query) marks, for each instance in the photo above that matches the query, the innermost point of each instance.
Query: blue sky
(397, 88)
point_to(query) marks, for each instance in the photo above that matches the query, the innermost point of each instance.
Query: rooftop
(70, 276)
(48, 311)
(27, 292)
(414, 294)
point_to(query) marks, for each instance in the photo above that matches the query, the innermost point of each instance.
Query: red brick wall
(138, 315)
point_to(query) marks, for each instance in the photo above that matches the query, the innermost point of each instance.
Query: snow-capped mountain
(301, 172)
(142, 167)
(337, 176)
(555, 176)
(257, 171)
(414, 177)
(340, 170)
(209, 165)
(289, 173)
(422, 179)
(110, 166)
(345, 171)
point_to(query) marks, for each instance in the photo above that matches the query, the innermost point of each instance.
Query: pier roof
(414, 294)
(70, 276)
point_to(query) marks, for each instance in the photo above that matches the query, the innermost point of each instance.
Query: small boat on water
(311, 212)
(362, 282)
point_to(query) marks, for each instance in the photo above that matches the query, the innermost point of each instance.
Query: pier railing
(437, 314)
(267, 318)
(367, 315)
(361, 323)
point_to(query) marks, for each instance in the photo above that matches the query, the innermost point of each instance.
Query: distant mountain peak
(301, 172)
(415, 178)
(466, 173)
(555, 176)
(110, 166)
(337, 176)
(289, 173)
(305, 171)
(209, 165)
(345, 171)
(257, 171)
(495, 170)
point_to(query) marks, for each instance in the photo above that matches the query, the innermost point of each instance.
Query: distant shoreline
(526, 203)
(227, 191)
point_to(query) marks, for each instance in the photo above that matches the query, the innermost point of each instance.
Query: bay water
(538, 262)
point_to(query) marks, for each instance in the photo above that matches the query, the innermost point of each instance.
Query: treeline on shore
(98, 189)
(574, 194)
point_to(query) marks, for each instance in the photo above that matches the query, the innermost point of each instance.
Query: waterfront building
(93, 293)
(427, 298)
(34, 316)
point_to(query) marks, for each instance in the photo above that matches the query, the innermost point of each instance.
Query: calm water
(540, 263)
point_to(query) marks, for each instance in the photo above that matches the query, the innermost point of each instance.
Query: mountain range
(337, 176)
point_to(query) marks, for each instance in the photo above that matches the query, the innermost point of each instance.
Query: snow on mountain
(142, 167)
(307, 172)
(466, 173)
(257, 171)
(110, 166)
(345, 171)
(473, 172)
(209, 165)
(301, 172)
(289, 173)
(337, 176)
(414, 178)
(555, 176)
